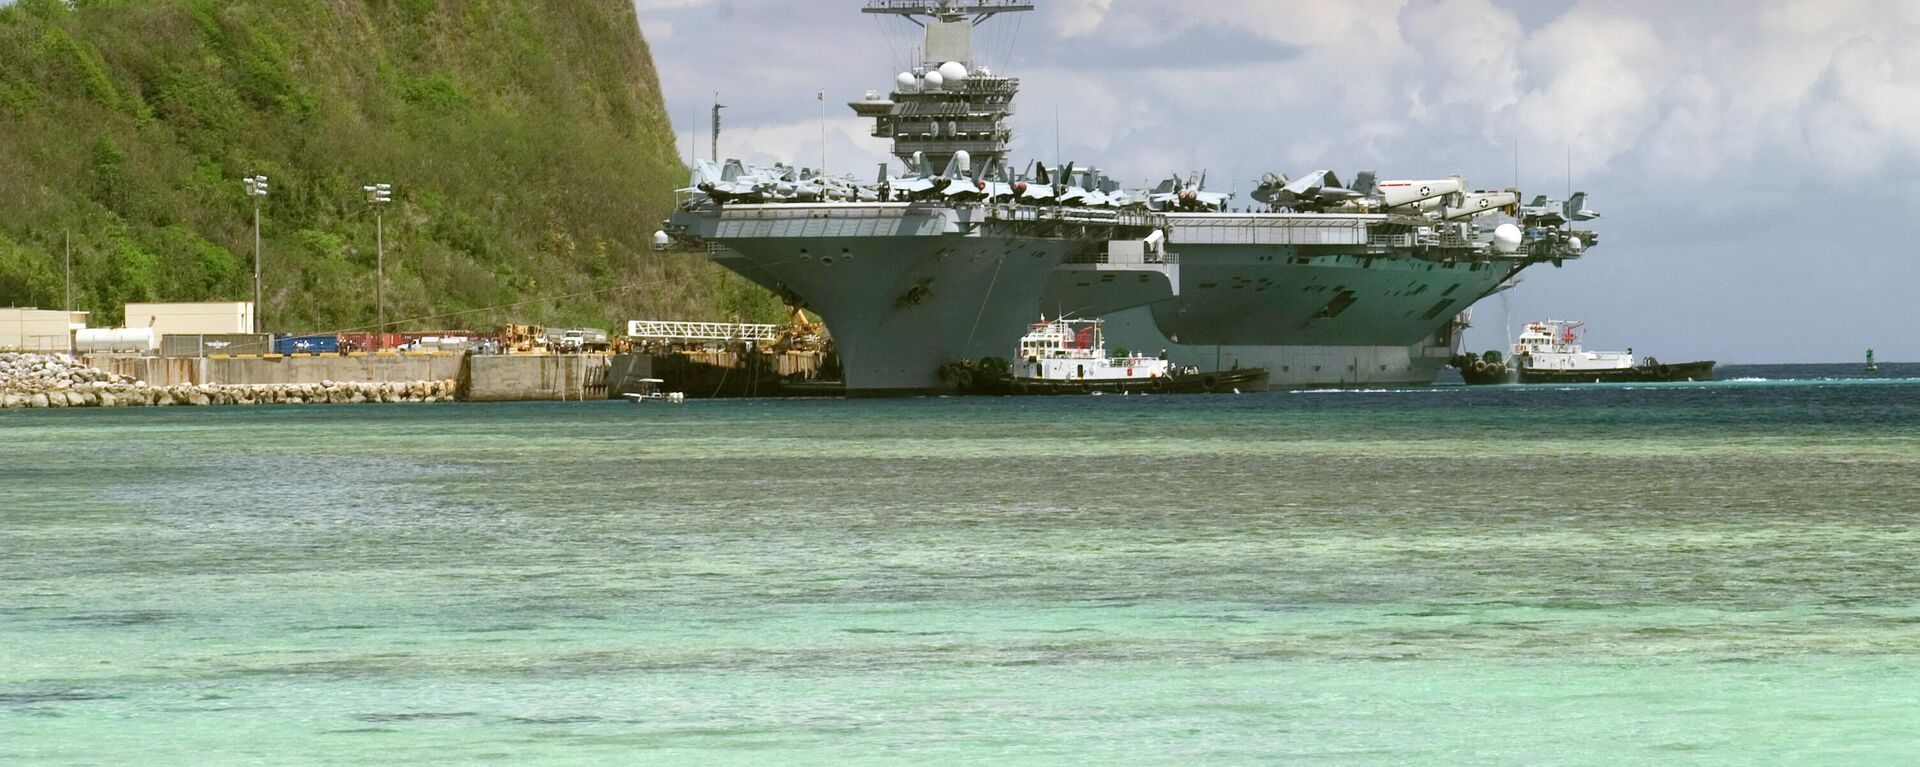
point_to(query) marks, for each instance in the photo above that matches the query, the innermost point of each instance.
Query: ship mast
(946, 103)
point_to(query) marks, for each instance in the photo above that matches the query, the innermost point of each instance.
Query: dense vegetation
(525, 139)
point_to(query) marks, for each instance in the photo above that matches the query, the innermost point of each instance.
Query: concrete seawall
(58, 381)
(249, 371)
(128, 379)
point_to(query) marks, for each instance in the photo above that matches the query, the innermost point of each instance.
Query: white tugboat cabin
(1076, 350)
(1553, 346)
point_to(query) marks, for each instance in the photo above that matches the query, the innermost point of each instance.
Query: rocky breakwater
(54, 380)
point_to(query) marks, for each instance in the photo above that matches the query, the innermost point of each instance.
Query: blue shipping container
(327, 344)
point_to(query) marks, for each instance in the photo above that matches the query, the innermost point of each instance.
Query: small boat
(1550, 352)
(1065, 356)
(648, 390)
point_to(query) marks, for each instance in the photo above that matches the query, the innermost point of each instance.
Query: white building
(192, 318)
(39, 330)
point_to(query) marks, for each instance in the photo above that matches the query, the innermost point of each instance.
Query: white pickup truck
(577, 339)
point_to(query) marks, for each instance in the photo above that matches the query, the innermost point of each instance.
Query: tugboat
(1069, 356)
(1549, 352)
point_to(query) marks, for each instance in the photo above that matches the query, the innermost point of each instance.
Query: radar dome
(906, 82)
(935, 80)
(953, 72)
(1506, 238)
(1574, 244)
(660, 240)
(963, 161)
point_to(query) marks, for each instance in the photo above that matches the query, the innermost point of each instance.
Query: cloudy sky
(1755, 162)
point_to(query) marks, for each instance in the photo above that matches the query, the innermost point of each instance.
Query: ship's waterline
(1311, 319)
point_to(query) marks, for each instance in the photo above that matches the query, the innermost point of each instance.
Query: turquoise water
(1663, 574)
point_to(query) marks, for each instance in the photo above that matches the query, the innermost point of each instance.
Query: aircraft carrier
(1323, 283)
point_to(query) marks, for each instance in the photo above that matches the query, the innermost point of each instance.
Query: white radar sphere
(660, 240)
(935, 80)
(907, 82)
(953, 72)
(963, 161)
(1506, 238)
(1574, 244)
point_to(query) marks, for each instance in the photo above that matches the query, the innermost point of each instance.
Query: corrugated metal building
(210, 344)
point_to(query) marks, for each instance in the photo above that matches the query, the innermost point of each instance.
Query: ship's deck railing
(943, 147)
(1269, 230)
(671, 330)
(1104, 257)
(998, 211)
(1036, 213)
(1445, 235)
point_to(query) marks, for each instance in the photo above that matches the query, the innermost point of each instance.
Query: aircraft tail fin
(1365, 182)
(704, 172)
(1575, 204)
(733, 171)
(956, 168)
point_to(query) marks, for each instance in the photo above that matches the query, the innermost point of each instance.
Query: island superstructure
(1321, 283)
(914, 272)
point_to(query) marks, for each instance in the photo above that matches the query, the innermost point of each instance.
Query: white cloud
(1081, 18)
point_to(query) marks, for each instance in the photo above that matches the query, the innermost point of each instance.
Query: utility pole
(822, 96)
(378, 195)
(68, 233)
(717, 106)
(257, 188)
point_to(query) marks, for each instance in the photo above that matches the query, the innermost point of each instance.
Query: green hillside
(525, 139)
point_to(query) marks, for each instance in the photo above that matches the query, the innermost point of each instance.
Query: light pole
(257, 188)
(378, 195)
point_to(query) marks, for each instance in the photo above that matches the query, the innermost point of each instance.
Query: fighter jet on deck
(1317, 191)
(1191, 195)
(1546, 211)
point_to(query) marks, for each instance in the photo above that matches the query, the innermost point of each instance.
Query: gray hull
(903, 289)
(1315, 305)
